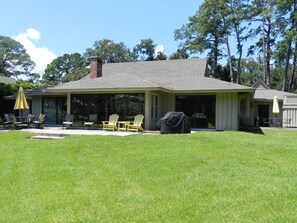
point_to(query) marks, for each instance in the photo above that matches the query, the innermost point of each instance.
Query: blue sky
(49, 29)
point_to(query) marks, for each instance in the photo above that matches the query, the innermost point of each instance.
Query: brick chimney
(95, 67)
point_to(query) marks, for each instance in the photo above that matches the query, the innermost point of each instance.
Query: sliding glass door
(199, 108)
(125, 105)
(54, 109)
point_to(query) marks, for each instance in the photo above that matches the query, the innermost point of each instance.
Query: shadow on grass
(255, 130)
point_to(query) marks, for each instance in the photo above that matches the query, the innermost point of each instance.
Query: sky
(49, 29)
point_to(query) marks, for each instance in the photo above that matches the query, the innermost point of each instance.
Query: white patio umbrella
(275, 107)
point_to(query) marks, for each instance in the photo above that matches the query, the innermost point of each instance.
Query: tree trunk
(229, 58)
(292, 81)
(239, 48)
(264, 52)
(239, 65)
(288, 57)
(216, 55)
(268, 51)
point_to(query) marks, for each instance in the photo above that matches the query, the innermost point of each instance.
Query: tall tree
(271, 24)
(68, 67)
(286, 22)
(179, 54)
(110, 52)
(263, 12)
(14, 61)
(33, 78)
(230, 16)
(145, 50)
(225, 20)
(203, 33)
(239, 13)
(161, 56)
(293, 80)
(251, 70)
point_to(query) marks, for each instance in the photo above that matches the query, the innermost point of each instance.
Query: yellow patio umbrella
(21, 102)
(275, 107)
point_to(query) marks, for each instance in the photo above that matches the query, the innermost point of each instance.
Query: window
(154, 107)
(244, 101)
(54, 109)
(125, 105)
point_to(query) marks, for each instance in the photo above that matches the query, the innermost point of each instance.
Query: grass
(201, 177)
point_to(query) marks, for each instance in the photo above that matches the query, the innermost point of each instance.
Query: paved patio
(59, 132)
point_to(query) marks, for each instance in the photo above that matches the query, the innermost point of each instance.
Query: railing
(276, 122)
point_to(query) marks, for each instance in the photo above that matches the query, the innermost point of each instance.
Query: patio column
(68, 103)
(147, 108)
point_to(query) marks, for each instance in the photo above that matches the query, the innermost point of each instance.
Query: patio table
(276, 122)
(122, 125)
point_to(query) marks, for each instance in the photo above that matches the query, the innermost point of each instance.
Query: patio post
(147, 108)
(68, 103)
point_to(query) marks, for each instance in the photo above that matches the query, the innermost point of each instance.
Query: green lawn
(200, 177)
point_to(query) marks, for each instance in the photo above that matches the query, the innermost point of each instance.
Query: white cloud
(33, 34)
(40, 55)
(159, 48)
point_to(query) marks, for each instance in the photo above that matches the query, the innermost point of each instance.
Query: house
(151, 88)
(263, 103)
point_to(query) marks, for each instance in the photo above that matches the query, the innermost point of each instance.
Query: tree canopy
(145, 50)
(68, 67)
(110, 52)
(14, 61)
(266, 28)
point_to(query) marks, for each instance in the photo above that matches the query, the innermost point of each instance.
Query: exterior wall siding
(227, 111)
(290, 111)
(166, 103)
(290, 114)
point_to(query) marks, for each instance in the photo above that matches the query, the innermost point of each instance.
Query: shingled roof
(7, 80)
(264, 93)
(185, 75)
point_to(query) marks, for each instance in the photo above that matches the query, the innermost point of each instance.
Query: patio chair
(92, 119)
(136, 124)
(111, 124)
(30, 119)
(68, 121)
(5, 123)
(12, 121)
(40, 121)
(7, 120)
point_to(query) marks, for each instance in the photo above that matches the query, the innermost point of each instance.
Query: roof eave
(168, 90)
(266, 100)
(104, 90)
(215, 91)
